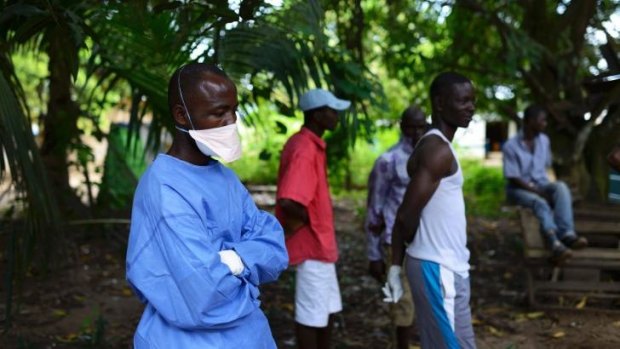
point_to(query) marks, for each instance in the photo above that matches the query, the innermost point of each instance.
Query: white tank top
(442, 234)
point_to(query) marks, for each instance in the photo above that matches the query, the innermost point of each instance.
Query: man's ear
(179, 115)
(438, 103)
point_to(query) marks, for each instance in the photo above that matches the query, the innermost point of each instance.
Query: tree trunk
(60, 123)
(555, 82)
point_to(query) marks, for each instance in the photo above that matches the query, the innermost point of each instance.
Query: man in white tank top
(431, 227)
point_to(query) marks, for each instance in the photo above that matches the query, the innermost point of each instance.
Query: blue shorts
(441, 300)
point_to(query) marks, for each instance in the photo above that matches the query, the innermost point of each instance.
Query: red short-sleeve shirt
(303, 178)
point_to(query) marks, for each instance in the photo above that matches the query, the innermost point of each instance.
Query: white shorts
(317, 294)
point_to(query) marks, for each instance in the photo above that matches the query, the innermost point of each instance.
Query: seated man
(526, 159)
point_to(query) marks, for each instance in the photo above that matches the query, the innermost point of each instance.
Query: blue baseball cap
(319, 97)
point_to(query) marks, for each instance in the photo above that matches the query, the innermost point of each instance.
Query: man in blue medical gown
(199, 247)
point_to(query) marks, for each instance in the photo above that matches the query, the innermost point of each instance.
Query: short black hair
(532, 111)
(189, 76)
(411, 111)
(444, 81)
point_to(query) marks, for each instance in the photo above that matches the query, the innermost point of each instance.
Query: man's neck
(447, 130)
(184, 148)
(316, 129)
(529, 134)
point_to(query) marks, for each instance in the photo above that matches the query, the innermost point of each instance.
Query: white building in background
(483, 138)
(470, 142)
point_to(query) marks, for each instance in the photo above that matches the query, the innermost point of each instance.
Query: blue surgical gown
(182, 216)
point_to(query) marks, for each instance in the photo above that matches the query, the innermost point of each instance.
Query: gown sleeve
(172, 265)
(261, 248)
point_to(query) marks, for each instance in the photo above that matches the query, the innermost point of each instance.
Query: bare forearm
(294, 210)
(403, 233)
(522, 184)
(296, 215)
(398, 247)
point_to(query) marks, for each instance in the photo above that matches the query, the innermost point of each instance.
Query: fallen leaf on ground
(71, 337)
(494, 310)
(288, 306)
(59, 313)
(558, 334)
(494, 331)
(535, 315)
(582, 302)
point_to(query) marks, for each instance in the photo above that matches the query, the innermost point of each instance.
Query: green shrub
(361, 160)
(122, 169)
(263, 135)
(483, 188)
(263, 142)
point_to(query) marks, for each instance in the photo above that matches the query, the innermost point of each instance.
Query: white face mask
(222, 142)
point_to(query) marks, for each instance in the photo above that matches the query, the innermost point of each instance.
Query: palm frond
(18, 149)
(292, 50)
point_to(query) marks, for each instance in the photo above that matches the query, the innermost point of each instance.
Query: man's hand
(543, 194)
(393, 288)
(377, 229)
(377, 270)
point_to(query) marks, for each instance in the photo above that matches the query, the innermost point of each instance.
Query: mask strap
(183, 101)
(181, 129)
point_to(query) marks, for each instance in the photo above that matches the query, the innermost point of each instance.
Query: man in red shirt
(304, 208)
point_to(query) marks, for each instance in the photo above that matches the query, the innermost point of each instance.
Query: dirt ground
(87, 303)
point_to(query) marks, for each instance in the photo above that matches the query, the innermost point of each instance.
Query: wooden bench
(593, 272)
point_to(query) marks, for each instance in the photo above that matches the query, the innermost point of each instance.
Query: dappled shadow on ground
(87, 304)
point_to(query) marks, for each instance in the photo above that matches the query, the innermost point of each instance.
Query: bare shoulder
(433, 155)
